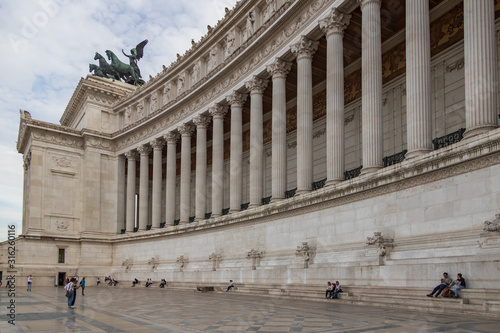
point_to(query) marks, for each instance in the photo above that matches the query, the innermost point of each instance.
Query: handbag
(68, 294)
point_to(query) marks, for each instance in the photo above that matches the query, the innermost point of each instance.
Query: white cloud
(48, 44)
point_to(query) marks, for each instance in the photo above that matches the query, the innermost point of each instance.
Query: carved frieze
(215, 258)
(306, 252)
(492, 226)
(128, 264)
(255, 255)
(182, 261)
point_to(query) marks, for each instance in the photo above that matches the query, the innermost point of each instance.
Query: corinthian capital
(144, 149)
(201, 121)
(186, 129)
(131, 155)
(256, 85)
(157, 143)
(279, 68)
(236, 99)
(218, 111)
(171, 137)
(304, 48)
(336, 22)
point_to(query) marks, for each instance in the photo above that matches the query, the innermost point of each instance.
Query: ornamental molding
(60, 139)
(456, 65)
(278, 39)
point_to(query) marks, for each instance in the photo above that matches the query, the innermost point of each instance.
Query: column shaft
(144, 187)
(171, 174)
(217, 113)
(256, 87)
(371, 67)
(481, 77)
(201, 123)
(236, 101)
(157, 145)
(279, 69)
(418, 78)
(334, 27)
(185, 130)
(304, 51)
(131, 184)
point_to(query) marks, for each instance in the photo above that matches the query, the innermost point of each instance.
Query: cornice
(293, 16)
(100, 90)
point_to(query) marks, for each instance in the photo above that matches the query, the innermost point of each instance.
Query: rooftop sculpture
(117, 69)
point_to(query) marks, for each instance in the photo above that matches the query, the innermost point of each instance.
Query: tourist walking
(71, 287)
(82, 284)
(30, 280)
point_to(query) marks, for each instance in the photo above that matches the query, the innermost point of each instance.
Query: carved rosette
(335, 23)
(171, 137)
(236, 99)
(218, 111)
(279, 68)
(144, 149)
(256, 85)
(201, 121)
(305, 48)
(158, 144)
(185, 129)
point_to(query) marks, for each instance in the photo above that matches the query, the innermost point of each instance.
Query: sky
(47, 48)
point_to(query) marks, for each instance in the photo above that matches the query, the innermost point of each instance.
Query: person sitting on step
(135, 282)
(460, 283)
(338, 289)
(231, 285)
(329, 289)
(445, 283)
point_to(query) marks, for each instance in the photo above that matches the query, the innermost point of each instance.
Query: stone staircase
(483, 302)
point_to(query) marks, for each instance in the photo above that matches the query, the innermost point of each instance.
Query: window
(61, 256)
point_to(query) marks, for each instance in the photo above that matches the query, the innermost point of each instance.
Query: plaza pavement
(140, 309)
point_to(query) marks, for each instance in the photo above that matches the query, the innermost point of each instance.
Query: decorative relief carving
(154, 262)
(153, 101)
(195, 75)
(382, 242)
(58, 139)
(492, 226)
(128, 263)
(181, 83)
(270, 9)
(61, 225)
(255, 255)
(62, 162)
(140, 110)
(182, 262)
(447, 30)
(306, 252)
(166, 93)
(215, 258)
(213, 59)
(27, 160)
(230, 43)
(274, 44)
(249, 28)
(457, 65)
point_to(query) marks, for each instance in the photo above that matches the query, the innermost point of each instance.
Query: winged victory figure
(136, 55)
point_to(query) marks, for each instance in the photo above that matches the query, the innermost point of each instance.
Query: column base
(369, 170)
(273, 199)
(215, 215)
(299, 192)
(478, 130)
(333, 182)
(416, 153)
(234, 211)
(253, 205)
(183, 222)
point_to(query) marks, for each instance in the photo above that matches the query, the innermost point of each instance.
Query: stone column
(185, 130)
(418, 78)
(236, 101)
(201, 123)
(371, 87)
(131, 184)
(217, 112)
(144, 150)
(256, 87)
(171, 173)
(481, 78)
(157, 145)
(304, 51)
(279, 70)
(334, 27)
